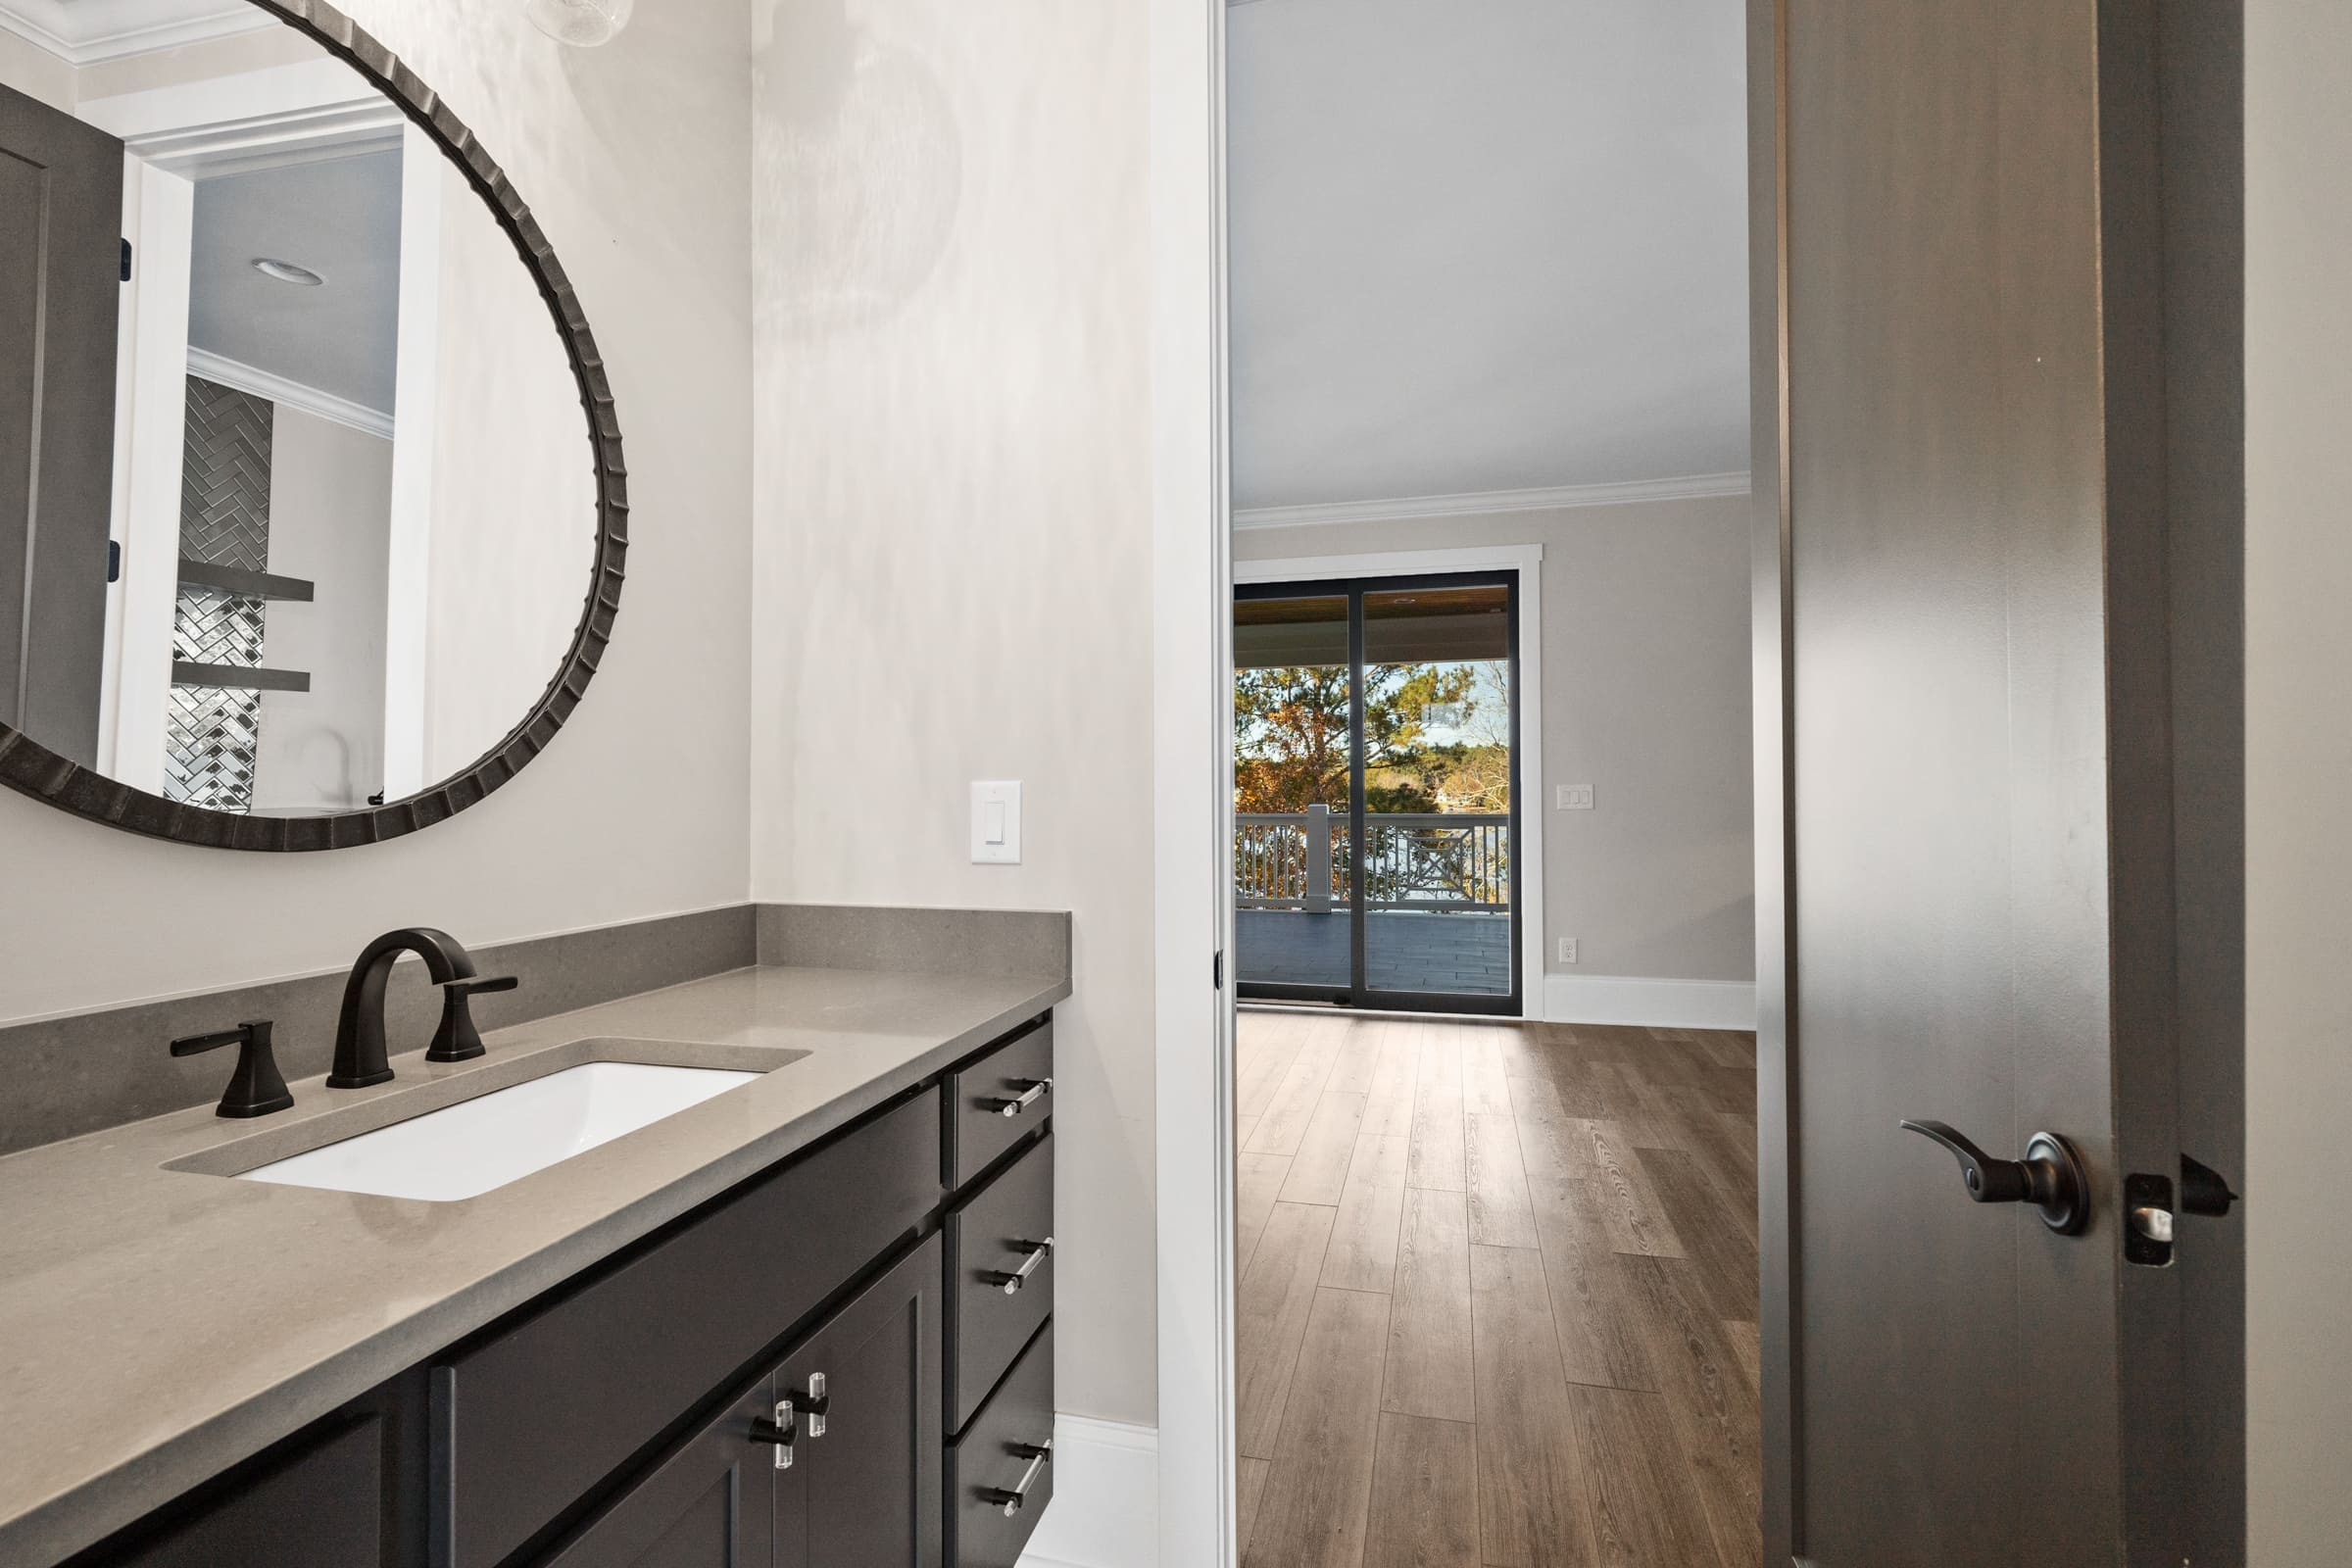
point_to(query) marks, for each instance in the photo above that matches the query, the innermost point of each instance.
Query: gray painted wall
(952, 476)
(2298, 756)
(1646, 698)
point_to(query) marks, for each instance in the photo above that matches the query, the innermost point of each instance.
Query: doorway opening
(1492, 886)
(1375, 750)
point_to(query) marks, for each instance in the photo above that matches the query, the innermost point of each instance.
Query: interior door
(61, 187)
(1964, 657)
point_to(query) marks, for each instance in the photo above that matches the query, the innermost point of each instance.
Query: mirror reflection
(297, 511)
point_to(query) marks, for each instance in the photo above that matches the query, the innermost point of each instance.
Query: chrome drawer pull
(1039, 1252)
(1010, 1501)
(1038, 1089)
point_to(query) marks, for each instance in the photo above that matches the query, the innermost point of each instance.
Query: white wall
(2298, 758)
(635, 160)
(951, 484)
(330, 499)
(1647, 699)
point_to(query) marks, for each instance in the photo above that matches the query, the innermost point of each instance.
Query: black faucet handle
(195, 1045)
(479, 985)
(458, 1039)
(257, 1088)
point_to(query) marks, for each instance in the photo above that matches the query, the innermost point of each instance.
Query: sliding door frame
(1359, 992)
(1523, 566)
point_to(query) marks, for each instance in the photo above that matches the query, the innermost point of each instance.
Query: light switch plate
(1573, 797)
(997, 821)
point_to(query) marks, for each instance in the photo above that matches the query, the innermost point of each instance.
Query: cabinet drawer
(986, 1115)
(992, 1306)
(524, 1423)
(987, 1465)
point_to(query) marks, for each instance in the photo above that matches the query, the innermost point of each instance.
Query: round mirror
(300, 543)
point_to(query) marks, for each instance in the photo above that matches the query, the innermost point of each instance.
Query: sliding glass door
(1375, 770)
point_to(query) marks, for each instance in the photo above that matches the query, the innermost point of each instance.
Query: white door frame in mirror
(235, 122)
(1526, 565)
(1192, 786)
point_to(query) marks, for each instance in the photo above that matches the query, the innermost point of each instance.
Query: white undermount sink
(464, 1150)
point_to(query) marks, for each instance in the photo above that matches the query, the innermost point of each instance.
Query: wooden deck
(1498, 1302)
(1465, 953)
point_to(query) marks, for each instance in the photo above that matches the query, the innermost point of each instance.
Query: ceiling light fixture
(271, 266)
(582, 23)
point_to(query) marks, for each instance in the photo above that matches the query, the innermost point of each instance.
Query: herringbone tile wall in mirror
(212, 740)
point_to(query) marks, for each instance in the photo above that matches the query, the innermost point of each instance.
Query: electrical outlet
(1573, 797)
(1567, 949)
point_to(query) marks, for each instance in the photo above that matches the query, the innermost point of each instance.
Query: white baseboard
(1105, 1507)
(1636, 1000)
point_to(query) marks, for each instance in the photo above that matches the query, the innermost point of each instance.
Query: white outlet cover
(1573, 797)
(997, 821)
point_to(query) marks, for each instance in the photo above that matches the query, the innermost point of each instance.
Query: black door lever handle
(2051, 1177)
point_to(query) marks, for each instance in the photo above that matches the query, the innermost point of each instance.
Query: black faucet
(359, 1032)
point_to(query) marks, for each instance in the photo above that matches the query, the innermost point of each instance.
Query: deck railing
(1426, 860)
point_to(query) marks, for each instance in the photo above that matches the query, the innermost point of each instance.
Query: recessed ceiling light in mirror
(286, 271)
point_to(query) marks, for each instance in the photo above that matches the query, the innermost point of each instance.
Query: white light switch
(1573, 797)
(997, 822)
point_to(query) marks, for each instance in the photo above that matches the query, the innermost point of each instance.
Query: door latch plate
(2153, 1193)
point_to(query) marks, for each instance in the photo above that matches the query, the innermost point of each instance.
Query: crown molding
(203, 148)
(260, 383)
(86, 33)
(1686, 487)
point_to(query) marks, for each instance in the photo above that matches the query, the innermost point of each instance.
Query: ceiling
(338, 216)
(1486, 245)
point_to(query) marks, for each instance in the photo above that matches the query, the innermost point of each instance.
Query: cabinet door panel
(710, 1505)
(867, 1492)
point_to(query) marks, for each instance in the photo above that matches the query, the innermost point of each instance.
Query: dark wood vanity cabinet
(857, 1484)
(709, 1503)
(315, 1498)
(882, 1300)
(865, 1490)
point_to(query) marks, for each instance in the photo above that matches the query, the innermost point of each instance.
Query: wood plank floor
(1498, 1302)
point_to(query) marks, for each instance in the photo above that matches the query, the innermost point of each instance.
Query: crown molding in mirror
(85, 32)
(33, 768)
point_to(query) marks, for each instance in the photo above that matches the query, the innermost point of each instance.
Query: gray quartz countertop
(157, 1325)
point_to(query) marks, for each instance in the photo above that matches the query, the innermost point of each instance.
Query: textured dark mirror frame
(31, 767)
